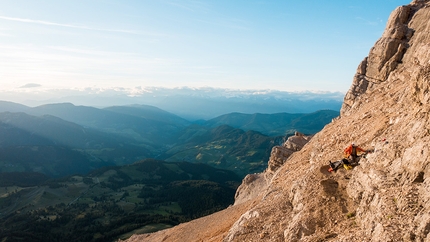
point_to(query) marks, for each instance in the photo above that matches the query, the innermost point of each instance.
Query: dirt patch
(419, 178)
(330, 186)
(324, 170)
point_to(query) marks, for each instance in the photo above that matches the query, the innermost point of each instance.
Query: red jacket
(350, 150)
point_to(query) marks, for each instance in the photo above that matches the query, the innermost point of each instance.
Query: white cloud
(42, 22)
(30, 85)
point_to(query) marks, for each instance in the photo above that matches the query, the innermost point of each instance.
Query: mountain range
(189, 103)
(276, 124)
(94, 137)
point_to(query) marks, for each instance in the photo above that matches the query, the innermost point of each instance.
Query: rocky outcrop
(387, 196)
(254, 185)
(384, 57)
(280, 154)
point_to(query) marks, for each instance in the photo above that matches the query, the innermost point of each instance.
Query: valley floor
(211, 228)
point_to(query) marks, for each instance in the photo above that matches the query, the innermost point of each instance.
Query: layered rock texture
(386, 197)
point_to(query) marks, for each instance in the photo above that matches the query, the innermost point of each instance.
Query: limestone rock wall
(384, 57)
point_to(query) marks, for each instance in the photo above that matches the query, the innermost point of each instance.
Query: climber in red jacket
(351, 152)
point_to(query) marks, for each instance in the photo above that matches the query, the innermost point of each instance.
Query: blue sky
(110, 44)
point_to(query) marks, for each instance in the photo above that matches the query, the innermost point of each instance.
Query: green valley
(111, 202)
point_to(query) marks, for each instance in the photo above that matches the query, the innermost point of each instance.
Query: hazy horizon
(121, 96)
(189, 103)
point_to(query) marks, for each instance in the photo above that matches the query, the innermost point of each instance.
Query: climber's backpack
(335, 165)
(346, 161)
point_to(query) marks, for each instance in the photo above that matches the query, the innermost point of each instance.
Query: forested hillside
(110, 202)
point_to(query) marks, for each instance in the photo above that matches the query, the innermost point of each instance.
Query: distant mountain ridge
(149, 112)
(56, 147)
(197, 103)
(62, 132)
(223, 147)
(6, 106)
(278, 123)
(127, 120)
(208, 107)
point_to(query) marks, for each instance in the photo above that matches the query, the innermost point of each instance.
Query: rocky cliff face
(387, 196)
(254, 184)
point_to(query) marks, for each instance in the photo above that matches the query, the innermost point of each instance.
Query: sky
(234, 44)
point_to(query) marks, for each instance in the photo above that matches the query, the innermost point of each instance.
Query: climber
(350, 152)
(335, 165)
